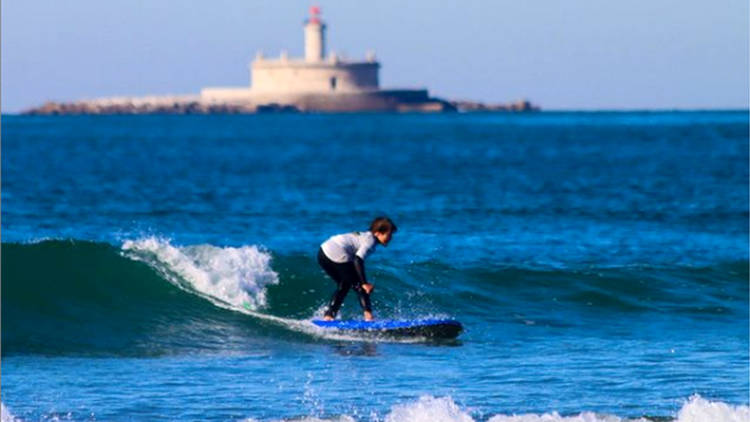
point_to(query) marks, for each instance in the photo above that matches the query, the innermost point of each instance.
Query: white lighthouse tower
(315, 37)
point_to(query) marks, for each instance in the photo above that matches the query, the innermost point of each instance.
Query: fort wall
(321, 77)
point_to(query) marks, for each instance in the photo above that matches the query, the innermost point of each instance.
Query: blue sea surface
(163, 267)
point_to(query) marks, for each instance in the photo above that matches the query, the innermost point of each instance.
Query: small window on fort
(333, 83)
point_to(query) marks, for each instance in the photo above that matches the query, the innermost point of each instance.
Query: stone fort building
(320, 82)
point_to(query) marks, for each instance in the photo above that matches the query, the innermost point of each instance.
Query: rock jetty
(473, 106)
(194, 105)
(143, 105)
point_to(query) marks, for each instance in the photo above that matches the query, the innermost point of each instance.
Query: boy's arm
(359, 267)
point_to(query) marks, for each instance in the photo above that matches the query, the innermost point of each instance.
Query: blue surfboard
(432, 328)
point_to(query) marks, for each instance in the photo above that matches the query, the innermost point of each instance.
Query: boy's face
(384, 238)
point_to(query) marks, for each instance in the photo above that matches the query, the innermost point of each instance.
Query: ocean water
(162, 268)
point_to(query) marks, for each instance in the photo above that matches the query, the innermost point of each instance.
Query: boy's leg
(349, 274)
(342, 288)
(337, 299)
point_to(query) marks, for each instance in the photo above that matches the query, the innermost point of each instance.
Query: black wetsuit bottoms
(345, 277)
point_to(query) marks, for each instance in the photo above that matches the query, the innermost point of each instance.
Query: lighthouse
(315, 37)
(320, 82)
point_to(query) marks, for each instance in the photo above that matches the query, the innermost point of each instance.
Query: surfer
(342, 257)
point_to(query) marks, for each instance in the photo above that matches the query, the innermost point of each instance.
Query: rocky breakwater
(475, 106)
(141, 105)
(193, 104)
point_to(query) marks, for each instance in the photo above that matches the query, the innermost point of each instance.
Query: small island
(317, 82)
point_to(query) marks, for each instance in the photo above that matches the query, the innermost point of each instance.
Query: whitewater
(444, 409)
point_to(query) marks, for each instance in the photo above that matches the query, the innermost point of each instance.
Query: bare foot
(327, 318)
(368, 316)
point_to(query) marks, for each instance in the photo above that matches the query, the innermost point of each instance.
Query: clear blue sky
(566, 54)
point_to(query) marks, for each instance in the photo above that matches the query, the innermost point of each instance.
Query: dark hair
(382, 225)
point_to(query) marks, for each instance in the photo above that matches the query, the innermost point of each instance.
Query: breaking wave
(444, 409)
(149, 296)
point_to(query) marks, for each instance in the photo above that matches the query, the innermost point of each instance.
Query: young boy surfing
(342, 257)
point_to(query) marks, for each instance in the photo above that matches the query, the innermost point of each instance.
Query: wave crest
(698, 409)
(444, 409)
(234, 276)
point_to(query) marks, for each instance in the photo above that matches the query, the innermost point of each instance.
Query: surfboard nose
(428, 328)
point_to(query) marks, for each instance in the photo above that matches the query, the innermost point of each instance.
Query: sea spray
(444, 409)
(6, 416)
(428, 409)
(235, 276)
(556, 417)
(698, 409)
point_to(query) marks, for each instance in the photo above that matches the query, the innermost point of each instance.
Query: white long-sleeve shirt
(343, 248)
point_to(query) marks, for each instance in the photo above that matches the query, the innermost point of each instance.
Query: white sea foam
(555, 417)
(236, 277)
(698, 409)
(6, 416)
(444, 409)
(428, 409)
(344, 418)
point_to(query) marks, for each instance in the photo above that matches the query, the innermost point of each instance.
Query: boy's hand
(367, 287)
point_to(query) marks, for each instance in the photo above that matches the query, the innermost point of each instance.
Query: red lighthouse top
(314, 14)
